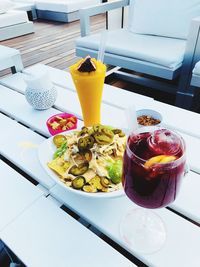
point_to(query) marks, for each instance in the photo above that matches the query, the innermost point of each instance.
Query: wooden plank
(16, 194)
(23, 112)
(67, 101)
(19, 145)
(111, 95)
(187, 202)
(37, 120)
(192, 152)
(183, 237)
(176, 118)
(179, 119)
(58, 244)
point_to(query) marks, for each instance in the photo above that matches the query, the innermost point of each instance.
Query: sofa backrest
(170, 18)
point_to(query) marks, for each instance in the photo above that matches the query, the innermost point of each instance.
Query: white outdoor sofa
(160, 42)
(26, 5)
(195, 85)
(63, 11)
(195, 81)
(14, 23)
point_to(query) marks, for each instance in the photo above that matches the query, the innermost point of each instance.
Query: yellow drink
(89, 86)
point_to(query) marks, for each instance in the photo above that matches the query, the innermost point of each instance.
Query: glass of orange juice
(89, 75)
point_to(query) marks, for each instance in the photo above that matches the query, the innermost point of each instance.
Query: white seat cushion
(7, 52)
(24, 6)
(65, 6)
(13, 17)
(196, 69)
(167, 52)
(25, 1)
(170, 18)
(5, 5)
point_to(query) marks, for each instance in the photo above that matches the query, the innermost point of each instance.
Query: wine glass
(153, 166)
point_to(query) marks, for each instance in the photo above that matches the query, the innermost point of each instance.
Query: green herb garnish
(61, 150)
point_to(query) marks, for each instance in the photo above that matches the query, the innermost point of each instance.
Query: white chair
(160, 41)
(10, 58)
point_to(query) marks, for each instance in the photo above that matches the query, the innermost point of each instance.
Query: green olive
(122, 134)
(108, 132)
(116, 131)
(59, 139)
(104, 136)
(89, 189)
(84, 130)
(78, 182)
(96, 182)
(80, 169)
(105, 181)
(85, 143)
(102, 139)
(97, 128)
(119, 132)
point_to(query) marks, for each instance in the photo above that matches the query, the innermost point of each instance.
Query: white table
(51, 225)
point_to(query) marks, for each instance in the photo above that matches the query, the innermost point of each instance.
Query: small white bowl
(149, 112)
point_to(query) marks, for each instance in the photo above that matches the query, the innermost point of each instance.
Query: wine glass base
(143, 231)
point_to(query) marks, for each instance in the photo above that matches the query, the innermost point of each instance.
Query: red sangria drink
(154, 164)
(153, 167)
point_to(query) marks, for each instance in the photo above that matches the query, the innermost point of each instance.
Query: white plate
(45, 153)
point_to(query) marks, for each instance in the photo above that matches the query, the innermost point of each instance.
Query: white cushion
(7, 52)
(5, 5)
(196, 69)
(25, 1)
(13, 17)
(167, 52)
(65, 6)
(24, 6)
(170, 18)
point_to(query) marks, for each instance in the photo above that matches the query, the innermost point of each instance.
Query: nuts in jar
(146, 120)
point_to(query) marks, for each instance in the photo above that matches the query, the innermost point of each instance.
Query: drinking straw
(131, 118)
(102, 46)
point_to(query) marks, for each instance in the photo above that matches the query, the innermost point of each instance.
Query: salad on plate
(90, 159)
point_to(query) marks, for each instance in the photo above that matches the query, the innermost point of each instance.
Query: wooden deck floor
(53, 43)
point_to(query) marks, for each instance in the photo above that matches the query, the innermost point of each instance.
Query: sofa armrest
(193, 40)
(86, 13)
(194, 31)
(192, 55)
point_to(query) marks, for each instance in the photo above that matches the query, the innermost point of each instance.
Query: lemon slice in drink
(159, 159)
